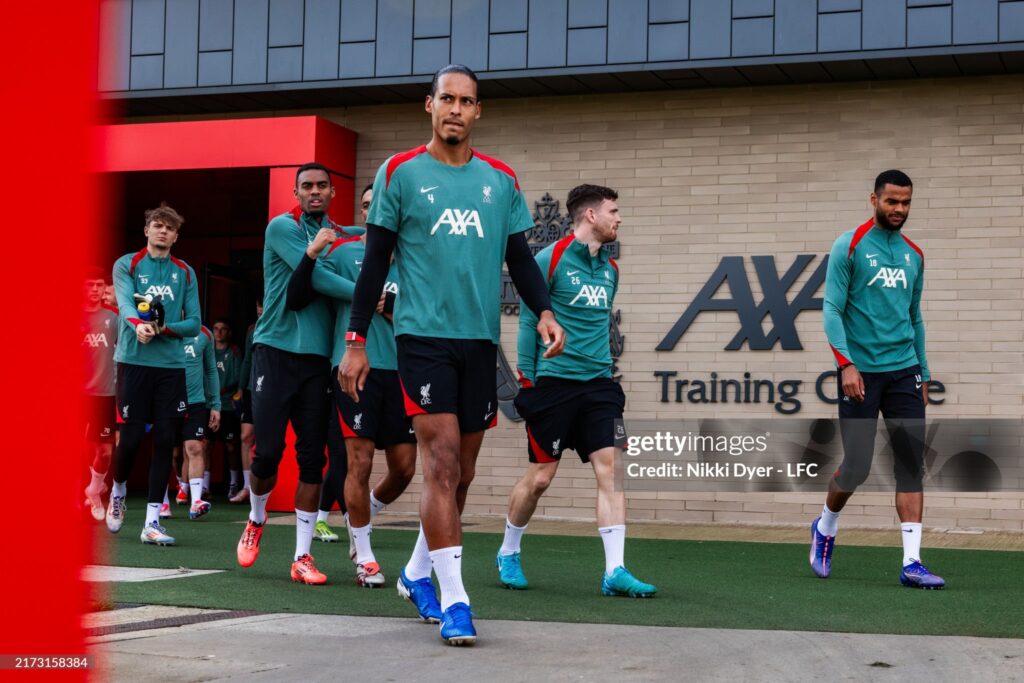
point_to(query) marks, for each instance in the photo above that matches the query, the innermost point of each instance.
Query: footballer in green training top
(571, 401)
(872, 315)
(451, 215)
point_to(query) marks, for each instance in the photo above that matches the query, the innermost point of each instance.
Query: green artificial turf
(701, 583)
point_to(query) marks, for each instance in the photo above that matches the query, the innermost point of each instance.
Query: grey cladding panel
(320, 42)
(394, 54)
(667, 11)
(284, 64)
(839, 32)
(215, 24)
(546, 46)
(286, 18)
(929, 26)
(215, 68)
(1011, 21)
(751, 8)
(432, 19)
(796, 26)
(356, 60)
(668, 42)
(885, 24)
(469, 33)
(249, 58)
(116, 37)
(752, 37)
(627, 31)
(147, 72)
(710, 29)
(840, 5)
(430, 54)
(587, 13)
(147, 28)
(181, 64)
(586, 46)
(508, 51)
(358, 20)
(508, 15)
(975, 21)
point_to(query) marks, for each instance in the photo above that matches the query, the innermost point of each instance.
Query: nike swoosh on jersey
(870, 255)
(424, 190)
(571, 272)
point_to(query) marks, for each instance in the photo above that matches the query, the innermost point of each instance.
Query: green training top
(582, 289)
(99, 337)
(345, 258)
(310, 330)
(175, 281)
(229, 363)
(201, 370)
(453, 223)
(872, 306)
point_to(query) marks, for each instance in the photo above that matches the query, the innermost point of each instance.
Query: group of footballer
(386, 338)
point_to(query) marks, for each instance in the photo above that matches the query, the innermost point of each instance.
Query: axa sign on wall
(761, 325)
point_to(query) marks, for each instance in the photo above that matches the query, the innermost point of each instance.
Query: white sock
(119, 489)
(96, 481)
(419, 564)
(206, 480)
(829, 522)
(236, 477)
(614, 539)
(447, 564)
(375, 505)
(361, 537)
(195, 487)
(152, 513)
(258, 507)
(181, 483)
(167, 500)
(322, 515)
(911, 542)
(246, 474)
(513, 538)
(304, 523)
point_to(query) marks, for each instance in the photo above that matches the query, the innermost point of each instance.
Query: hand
(324, 237)
(853, 383)
(551, 333)
(924, 392)
(145, 332)
(214, 420)
(355, 366)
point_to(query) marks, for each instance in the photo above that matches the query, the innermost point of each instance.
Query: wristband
(351, 336)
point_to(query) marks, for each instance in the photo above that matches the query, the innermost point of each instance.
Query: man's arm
(837, 288)
(285, 241)
(190, 323)
(211, 381)
(380, 242)
(124, 289)
(533, 291)
(917, 321)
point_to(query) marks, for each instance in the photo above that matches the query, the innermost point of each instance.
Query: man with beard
(571, 401)
(872, 313)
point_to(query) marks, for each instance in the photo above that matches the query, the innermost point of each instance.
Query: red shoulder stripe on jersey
(338, 242)
(500, 165)
(135, 260)
(112, 309)
(859, 235)
(614, 264)
(184, 266)
(914, 247)
(206, 332)
(840, 358)
(296, 213)
(400, 159)
(556, 254)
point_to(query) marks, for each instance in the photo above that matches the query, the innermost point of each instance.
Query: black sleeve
(380, 242)
(525, 274)
(300, 285)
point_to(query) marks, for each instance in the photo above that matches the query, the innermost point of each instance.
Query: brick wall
(782, 171)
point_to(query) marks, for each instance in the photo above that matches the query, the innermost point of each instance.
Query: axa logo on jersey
(890, 277)
(459, 222)
(95, 340)
(595, 295)
(160, 290)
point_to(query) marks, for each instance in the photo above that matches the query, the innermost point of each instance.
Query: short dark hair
(366, 189)
(166, 215)
(453, 69)
(313, 166)
(583, 197)
(96, 273)
(892, 177)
